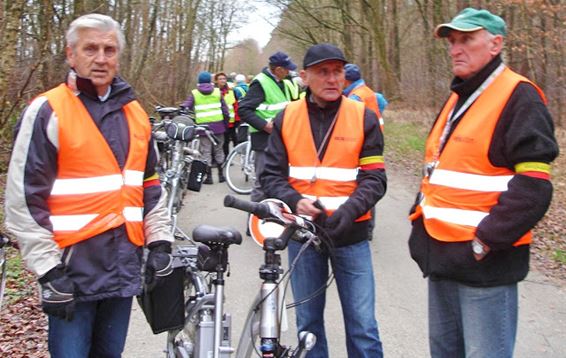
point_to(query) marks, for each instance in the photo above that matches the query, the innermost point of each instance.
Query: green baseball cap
(469, 20)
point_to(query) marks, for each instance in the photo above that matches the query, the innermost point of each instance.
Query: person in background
(324, 159)
(266, 97)
(357, 90)
(241, 87)
(240, 90)
(381, 102)
(83, 197)
(230, 99)
(486, 184)
(210, 109)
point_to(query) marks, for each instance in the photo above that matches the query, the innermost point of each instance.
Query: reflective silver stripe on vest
(71, 222)
(133, 177)
(454, 216)
(208, 114)
(97, 184)
(459, 180)
(207, 106)
(327, 173)
(77, 222)
(133, 213)
(329, 202)
(87, 185)
(272, 107)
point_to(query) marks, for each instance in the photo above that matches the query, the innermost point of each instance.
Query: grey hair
(94, 21)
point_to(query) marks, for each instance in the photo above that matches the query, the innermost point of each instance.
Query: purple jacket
(207, 88)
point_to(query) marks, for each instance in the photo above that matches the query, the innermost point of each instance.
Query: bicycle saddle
(216, 235)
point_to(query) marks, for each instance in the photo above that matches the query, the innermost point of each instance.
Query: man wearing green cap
(485, 185)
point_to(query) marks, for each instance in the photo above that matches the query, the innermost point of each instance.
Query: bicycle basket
(181, 128)
(198, 170)
(164, 306)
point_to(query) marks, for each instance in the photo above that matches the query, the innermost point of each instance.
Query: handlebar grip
(260, 210)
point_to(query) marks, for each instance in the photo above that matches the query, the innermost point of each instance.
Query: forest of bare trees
(392, 41)
(169, 41)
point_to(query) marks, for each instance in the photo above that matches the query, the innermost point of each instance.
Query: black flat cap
(322, 52)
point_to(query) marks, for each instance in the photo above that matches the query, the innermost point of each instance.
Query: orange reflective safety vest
(369, 99)
(333, 180)
(464, 185)
(91, 194)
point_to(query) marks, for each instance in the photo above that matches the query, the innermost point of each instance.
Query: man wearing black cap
(266, 97)
(324, 159)
(485, 186)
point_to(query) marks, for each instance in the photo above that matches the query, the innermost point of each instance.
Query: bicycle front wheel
(239, 169)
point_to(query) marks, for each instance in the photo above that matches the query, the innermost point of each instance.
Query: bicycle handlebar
(271, 211)
(260, 210)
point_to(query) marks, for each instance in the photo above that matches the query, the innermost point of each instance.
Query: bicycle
(239, 168)
(4, 243)
(201, 336)
(180, 166)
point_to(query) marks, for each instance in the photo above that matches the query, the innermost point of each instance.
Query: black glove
(57, 293)
(338, 223)
(159, 263)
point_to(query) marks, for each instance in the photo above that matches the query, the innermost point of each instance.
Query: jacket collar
(464, 88)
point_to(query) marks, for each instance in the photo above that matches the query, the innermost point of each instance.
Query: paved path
(401, 290)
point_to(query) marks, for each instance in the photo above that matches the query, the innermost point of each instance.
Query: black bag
(164, 306)
(181, 128)
(196, 176)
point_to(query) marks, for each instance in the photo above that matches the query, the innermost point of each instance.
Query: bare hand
(305, 207)
(268, 127)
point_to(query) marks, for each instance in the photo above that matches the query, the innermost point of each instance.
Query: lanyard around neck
(452, 117)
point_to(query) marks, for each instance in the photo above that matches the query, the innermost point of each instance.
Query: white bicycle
(239, 168)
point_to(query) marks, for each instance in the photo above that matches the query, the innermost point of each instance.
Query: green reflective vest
(208, 108)
(292, 89)
(230, 99)
(241, 92)
(275, 100)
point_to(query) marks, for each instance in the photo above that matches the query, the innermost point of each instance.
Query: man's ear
(496, 45)
(304, 77)
(70, 56)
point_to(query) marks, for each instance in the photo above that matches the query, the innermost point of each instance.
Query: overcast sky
(258, 25)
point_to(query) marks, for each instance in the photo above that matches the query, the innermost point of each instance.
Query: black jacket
(524, 133)
(371, 183)
(247, 107)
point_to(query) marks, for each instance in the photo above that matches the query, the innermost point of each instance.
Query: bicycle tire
(239, 177)
(248, 345)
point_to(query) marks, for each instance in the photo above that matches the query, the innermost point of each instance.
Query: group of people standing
(82, 223)
(216, 105)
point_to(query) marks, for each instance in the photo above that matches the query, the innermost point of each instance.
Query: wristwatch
(477, 247)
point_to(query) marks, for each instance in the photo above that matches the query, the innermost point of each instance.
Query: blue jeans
(353, 272)
(471, 322)
(98, 329)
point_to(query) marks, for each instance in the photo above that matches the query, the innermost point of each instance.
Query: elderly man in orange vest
(325, 159)
(486, 184)
(83, 197)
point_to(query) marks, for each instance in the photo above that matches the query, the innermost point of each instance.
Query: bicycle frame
(207, 328)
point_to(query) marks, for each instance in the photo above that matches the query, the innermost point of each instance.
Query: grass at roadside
(405, 133)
